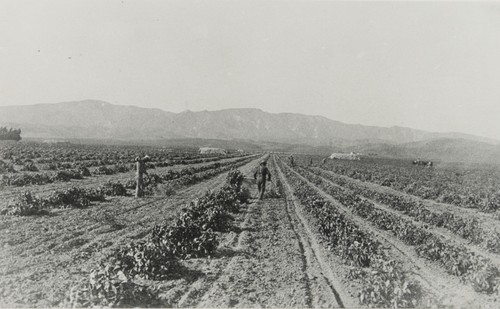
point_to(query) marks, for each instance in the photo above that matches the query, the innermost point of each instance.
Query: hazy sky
(426, 65)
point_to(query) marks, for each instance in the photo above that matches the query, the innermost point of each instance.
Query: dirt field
(273, 257)
(41, 257)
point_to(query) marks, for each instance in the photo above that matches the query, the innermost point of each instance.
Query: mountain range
(92, 119)
(98, 119)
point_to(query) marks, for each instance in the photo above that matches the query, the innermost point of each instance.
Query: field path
(40, 257)
(316, 264)
(269, 260)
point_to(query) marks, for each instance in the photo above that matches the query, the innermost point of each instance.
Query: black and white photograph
(250, 154)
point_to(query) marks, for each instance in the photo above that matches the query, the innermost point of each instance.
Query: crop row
(470, 188)
(455, 259)
(384, 281)
(39, 156)
(26, 179)
(42, 178)
(26, 203)
(189, 175)
(124, 164)
(191, 235)
(18, 153)
(469, 228)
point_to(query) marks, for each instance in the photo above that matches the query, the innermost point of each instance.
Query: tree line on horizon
(10, 134)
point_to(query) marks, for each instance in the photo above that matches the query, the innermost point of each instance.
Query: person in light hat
(261, 175)
(141, 170)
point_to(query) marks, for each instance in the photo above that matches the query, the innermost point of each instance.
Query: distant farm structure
(344, 156)
(211, 150)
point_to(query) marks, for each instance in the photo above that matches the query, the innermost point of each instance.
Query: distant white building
(210, 150)
(345, 156)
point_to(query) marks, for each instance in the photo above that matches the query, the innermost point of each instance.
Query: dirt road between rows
(269, 260)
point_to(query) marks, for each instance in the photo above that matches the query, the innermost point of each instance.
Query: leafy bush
(226, 198)
(50, 166)
(6, 167)
(235, 178)
(130, 184)
(388, 286)
(145, 259)
(186, 239)
(20, 180)
(244, 195)
(29, 167)
(67, 175)
(113, 189)
(64, 165)
(121, 168)
(103, 170)
(84, 171)
(108, 287)
(72, 197)
(26, 204)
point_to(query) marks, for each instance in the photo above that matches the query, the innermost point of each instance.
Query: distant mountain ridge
(99, 119)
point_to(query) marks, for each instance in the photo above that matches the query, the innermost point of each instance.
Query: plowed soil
(273, 257)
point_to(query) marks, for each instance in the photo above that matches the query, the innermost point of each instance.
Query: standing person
(261, 175)
(323, 161)
(140, 171)
(291, 161)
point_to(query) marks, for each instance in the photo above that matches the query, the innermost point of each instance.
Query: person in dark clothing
(292, 163)
(261, 175)
(141, 170)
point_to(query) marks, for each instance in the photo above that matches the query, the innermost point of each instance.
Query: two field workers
(261, 175)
